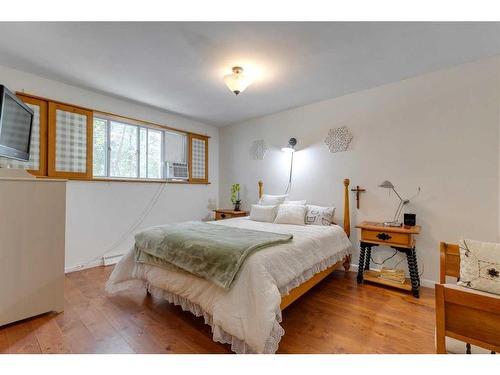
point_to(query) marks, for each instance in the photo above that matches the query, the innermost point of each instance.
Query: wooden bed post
(347, 222)
(347, 219)
(261, 187)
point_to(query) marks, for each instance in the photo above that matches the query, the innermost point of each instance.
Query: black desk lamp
(402, 202)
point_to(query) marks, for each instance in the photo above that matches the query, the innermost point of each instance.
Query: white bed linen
(248, 315)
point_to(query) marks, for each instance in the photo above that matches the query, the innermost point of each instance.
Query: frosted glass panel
(71, 142)
(198, 150)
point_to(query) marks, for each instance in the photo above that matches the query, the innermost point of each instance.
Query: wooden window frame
(49, 144)
(43, 104)
(52, 172)
(192, 180)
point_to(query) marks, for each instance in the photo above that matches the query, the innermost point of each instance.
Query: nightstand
(399, 238)
(221, 214)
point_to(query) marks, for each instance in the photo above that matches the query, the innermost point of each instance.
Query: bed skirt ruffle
(318, 267)
(219, 335)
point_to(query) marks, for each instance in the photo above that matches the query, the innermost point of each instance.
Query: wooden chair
(462, 313)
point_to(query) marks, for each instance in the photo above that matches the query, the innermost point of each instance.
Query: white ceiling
(179, 66)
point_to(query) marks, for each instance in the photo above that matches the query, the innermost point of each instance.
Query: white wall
(100, 213)
(439, 131)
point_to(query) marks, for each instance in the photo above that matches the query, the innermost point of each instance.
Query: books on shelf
(396, 275)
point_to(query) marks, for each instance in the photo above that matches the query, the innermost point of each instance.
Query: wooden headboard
(347, 218)
(449, 261)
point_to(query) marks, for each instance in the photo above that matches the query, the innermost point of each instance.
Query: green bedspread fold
(214, 252)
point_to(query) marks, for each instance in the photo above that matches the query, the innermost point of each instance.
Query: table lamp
(402, 202)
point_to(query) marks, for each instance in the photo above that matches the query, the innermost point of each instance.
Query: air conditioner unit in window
(177, 171)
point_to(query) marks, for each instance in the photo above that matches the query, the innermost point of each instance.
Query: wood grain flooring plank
(49, 335)
(21, 338)
(336, 316)
(4, 345)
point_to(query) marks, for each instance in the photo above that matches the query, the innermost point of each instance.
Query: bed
(248, 315)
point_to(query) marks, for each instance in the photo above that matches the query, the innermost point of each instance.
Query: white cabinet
(32, 245)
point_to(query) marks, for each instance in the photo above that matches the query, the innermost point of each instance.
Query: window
(100, 148)
(154, 154)
(70, 141)
(127, 150)
(123, 150)
(199, 159)
(73, 142)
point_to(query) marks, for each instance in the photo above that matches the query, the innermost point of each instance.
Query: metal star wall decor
(338, 139)
(258, 149)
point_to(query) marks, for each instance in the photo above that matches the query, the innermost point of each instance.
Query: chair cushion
(480, 265)
(454, 346)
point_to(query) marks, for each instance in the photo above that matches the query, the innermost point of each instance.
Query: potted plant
(235, 196)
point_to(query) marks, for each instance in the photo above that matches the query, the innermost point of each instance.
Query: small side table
(401, 239)
(221, 214)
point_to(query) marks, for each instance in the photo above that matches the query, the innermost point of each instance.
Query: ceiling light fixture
(237, 81)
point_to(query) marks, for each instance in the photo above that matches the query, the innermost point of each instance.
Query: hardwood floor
(336, 316)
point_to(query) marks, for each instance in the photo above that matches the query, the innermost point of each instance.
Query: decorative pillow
(318, 215)
(291, 214)
(480, 265)
(263, 213)
(271, 200)
(301, 203)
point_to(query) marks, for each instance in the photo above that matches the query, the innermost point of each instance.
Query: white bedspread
(248, 315)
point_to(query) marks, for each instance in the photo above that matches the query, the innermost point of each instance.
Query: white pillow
(263, 213)
(302, 202)
(271, 200)
(291, 214)
(480, 265)
(318, 215)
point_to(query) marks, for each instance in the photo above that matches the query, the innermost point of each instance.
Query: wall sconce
(291, 145)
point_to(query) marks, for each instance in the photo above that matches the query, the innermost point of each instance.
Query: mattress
(248, 316)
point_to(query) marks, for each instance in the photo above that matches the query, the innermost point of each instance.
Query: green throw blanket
(214, 252)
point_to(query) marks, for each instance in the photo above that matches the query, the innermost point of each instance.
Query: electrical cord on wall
(289, 186)
(130, 230)
(139, 220)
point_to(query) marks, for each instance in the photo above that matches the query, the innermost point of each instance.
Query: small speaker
(410, 219)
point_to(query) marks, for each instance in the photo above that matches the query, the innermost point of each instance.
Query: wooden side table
(401, 239)
(221, 214)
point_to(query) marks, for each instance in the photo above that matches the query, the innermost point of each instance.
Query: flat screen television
(16, 121)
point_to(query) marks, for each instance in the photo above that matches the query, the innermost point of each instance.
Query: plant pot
(237, 205)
